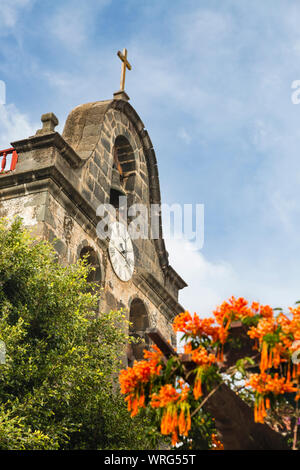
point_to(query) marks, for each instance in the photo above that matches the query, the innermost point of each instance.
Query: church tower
(56, 183)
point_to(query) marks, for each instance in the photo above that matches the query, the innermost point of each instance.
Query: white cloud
(14, 125)
(184, 135)
(73, 21)
(211, 283)
(10, 12)
(202, 27)
(208, 283)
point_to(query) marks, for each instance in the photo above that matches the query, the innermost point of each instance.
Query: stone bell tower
(57, 183)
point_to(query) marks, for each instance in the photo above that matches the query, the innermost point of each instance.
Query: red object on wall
(3, 163)
(14, 159)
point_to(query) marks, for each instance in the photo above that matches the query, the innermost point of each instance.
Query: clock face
(121, 251)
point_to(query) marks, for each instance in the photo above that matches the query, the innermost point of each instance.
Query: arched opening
(123, 170)
(138, 318)
(94, 277)
(92, 260)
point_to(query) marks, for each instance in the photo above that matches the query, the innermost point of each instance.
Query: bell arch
(123, 171)
(92, 260)
(84, 139)
(139, 319)
(94, 277)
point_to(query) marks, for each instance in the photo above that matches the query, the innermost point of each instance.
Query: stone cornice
(41, 179)
(152, 288)
(175, 278)
(53, 139)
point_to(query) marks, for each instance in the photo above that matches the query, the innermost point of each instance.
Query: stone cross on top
(125, 64)
(121, 94)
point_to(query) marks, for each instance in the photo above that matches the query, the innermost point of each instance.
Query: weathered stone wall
(97, 175)
(60, 181)
(46, 218)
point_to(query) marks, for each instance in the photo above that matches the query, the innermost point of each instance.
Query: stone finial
(49, 121)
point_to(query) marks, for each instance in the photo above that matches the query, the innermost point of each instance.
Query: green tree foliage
(58, 386)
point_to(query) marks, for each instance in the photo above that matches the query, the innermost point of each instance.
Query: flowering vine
(159, 383)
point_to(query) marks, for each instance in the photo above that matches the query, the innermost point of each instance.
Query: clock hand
(126, 249)
(121, 252)
(124, 256)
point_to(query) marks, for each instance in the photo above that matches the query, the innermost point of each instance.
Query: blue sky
(212, 82)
